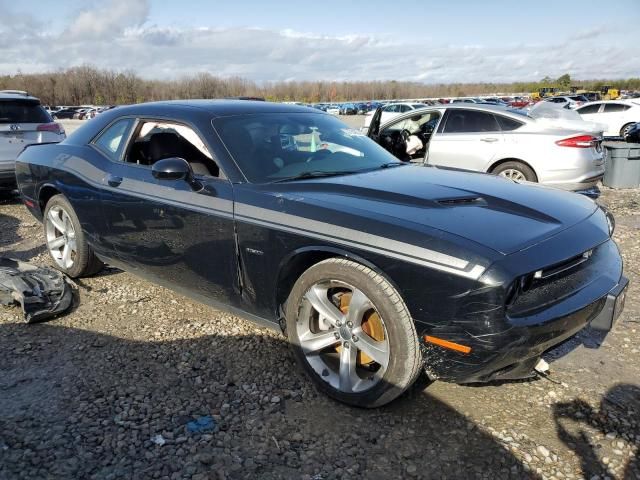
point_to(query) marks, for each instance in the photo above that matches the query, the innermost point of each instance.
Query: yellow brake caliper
(371, 325)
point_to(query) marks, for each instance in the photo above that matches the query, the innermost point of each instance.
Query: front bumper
(516, 351)
(507, 338)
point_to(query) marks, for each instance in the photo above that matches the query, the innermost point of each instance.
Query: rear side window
(21, 111)
(589, 109)
(111, 142)
(470, 121)
(508, 124)
(615, 107)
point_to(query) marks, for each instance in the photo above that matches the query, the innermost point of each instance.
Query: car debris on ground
(42, 292)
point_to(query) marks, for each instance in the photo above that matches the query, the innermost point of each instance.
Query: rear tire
(65, 239)
(516, 171)
(363, 348)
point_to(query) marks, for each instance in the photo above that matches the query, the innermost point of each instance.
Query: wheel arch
(298, 261)
(497, 163)
(45, 193)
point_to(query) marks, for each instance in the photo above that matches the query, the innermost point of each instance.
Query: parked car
(65, 114)
(519, 102)
(374, 269)
(632, 135)
(391, 110)
(348, 109)
(592, 96)
(466, 100)
(23, 121)
(506, 142)
(568, 101)
(617, 115)
(495, 101)
(333, 109)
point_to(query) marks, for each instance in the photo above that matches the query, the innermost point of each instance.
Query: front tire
(352, 333)
(65, 239)
(515, 170)
(625, 129)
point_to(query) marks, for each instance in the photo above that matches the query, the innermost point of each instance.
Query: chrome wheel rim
(61, 237)
(343, 337)
(626, 130)
(513, 174)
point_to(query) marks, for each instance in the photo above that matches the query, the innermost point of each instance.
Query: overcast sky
(421, 40)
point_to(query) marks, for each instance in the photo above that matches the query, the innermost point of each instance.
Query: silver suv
(23, 122)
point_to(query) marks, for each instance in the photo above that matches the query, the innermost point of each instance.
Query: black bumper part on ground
(41, 291)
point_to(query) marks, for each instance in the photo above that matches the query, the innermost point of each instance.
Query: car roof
(16, 95)
(502, 110)
(220, 108)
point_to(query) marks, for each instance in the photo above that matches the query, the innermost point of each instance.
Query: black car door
(165, 229)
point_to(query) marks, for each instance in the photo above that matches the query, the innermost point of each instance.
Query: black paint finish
(454, 244)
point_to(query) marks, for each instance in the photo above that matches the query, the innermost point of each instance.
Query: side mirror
(175, 168)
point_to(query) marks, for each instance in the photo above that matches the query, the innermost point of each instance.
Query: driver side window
(408, 139)
(156, 140)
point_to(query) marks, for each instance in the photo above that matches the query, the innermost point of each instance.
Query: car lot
(88, 395)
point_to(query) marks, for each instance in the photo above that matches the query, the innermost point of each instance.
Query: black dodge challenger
(374, 269)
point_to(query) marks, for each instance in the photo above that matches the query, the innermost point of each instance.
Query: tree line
(89, 85)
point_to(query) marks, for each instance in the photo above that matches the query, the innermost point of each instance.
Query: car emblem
(14, 127)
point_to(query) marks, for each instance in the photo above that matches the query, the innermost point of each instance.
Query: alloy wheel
(513, 174)
(343, 337)
(61, 237)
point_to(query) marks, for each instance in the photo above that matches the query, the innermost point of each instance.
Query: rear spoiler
(37, 145)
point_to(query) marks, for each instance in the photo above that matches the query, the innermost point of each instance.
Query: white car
(391, 110)
(333, 109)
(546, 144)
(23, 122)
(568, 101)
(618, 115)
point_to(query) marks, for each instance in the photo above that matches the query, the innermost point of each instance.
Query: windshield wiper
(314, 174)
(392, 164)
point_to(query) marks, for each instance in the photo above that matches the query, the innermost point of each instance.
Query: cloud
(591, 33)
(117, 35)
(111, 18)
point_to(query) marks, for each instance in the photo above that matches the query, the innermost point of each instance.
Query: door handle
(489, 139)
(113, 180)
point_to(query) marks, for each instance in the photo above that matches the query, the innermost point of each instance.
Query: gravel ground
(107, 392)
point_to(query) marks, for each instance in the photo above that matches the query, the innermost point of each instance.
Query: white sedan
(618, 115)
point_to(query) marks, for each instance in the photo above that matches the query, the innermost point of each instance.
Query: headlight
(611, 221)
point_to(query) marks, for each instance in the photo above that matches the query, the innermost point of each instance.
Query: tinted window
(589, 109)
(277, 146)
(469, 121)
(615, 107)
(112, 140)
(21, 111)
(391, 108)
(507, 124)
(403, 108)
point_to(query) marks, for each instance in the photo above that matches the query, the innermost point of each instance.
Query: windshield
(272, 147)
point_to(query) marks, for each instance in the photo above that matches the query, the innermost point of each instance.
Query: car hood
(492, 211)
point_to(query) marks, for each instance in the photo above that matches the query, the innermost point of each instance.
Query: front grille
(554, 283)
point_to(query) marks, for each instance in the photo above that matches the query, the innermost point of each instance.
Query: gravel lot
(107, 392)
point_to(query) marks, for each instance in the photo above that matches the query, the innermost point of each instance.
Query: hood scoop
(458, 201)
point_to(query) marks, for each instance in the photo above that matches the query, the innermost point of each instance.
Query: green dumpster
(622, 166)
